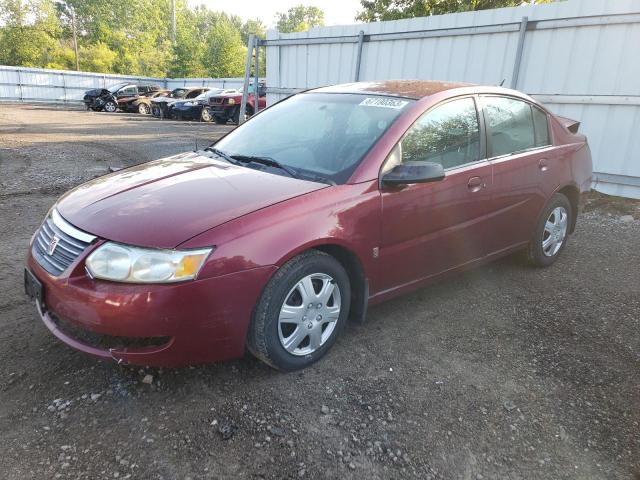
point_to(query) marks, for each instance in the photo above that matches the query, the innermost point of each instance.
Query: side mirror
(413, 172)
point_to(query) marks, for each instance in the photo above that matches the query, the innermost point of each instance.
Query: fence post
(359, 55)
(256, 97)
(20, 95)
(64, 88)
(518, 61)
(247, 79)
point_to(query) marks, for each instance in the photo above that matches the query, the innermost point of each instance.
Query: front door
(431, 228)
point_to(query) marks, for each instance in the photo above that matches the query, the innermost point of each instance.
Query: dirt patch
(504, 372)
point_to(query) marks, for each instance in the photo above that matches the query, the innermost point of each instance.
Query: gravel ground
(506, 372)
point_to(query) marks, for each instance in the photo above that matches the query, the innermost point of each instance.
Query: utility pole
(75, 37)
(173, 21)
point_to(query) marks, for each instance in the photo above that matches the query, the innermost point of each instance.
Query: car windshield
(116, 87)
(178, 92)
(323, 134)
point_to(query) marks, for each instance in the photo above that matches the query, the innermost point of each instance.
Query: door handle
(543, 165)
(476, 184)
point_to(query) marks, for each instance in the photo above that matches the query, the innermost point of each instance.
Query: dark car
(327, 202)
(196, 108)
(227, 107)
(142, 103)
(160, 106)
(106, 99)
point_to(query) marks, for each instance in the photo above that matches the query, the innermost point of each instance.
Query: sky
(336, 12)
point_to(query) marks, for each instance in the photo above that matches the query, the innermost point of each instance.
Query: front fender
(347, 216)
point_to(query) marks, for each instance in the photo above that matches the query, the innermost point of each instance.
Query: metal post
(64, 88)
(173, 21)
(516, 66)
(247, 79)
(75, 38)
(359, 56)
(20, 84)
(256, 97)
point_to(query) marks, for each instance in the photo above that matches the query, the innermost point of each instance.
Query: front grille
(69, 244)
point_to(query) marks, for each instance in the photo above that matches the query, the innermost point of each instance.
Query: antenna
(196, 139)
(502, 82)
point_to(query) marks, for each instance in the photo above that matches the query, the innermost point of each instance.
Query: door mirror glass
(413, 172)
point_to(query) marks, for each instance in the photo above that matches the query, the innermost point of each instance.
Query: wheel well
(357, 278)
(573, 194)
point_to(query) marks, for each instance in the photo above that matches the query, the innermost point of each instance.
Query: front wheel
(110, 106)
(205, 115)
(143, 109)
(301, 312)
(552, 232)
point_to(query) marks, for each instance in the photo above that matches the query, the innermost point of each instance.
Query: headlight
(123, 263)
(232, 101)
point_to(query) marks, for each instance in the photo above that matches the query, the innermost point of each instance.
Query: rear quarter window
(541, 127)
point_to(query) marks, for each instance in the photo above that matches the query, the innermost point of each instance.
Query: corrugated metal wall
(42, 85)
(580, 57)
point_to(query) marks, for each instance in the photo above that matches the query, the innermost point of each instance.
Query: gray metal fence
(63, 86)
(580, 57)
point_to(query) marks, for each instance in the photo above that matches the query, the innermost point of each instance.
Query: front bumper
(199, 321)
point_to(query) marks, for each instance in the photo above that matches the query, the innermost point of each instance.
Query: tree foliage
(130, 37)
(299, 19)
(375, 10)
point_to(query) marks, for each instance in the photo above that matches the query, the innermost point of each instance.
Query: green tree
(376, 10)
(299, 19)
(225, 54)
(30, 31)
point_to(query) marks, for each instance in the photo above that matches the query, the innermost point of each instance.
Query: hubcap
(110, 107)
(309, 314)
(555, 231)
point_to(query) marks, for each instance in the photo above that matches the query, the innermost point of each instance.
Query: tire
(143, 109)
(315, 318)
(221, 121)
(236, 114)
(551, 233)
(205, 115)
(110, 106)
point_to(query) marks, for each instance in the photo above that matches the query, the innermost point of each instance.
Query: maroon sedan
(325, 203)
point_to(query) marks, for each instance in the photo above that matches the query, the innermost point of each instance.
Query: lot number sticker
(383, 102)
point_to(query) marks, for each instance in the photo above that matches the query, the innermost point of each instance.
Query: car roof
(414, 89)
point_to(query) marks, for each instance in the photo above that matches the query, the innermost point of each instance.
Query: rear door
(519, 148)
(433, 227)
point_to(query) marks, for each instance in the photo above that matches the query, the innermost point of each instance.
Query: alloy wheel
(110, 107)
(309, 314)
(555, 231)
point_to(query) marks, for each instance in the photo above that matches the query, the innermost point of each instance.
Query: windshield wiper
(222, 154)
(271, 162)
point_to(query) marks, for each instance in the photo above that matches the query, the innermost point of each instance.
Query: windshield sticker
(383, 102)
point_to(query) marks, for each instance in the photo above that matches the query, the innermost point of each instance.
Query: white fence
(580, 57)
(63, 86)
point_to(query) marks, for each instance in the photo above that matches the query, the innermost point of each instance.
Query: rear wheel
(110, 106)
(552, 232)
(301, 312)
(143, 108)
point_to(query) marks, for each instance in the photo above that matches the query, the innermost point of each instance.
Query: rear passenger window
(541, 127)
(510, 125)
(447, 134)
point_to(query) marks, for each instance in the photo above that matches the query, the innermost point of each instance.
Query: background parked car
(141, 104)
(227, 106)
(194, 109)
(160, 106)
(107, 99)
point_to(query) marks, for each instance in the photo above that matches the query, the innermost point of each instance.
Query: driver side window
(448, 134)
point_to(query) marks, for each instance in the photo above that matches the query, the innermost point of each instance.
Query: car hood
(96, 92)
(166, 202)
(164, 100)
